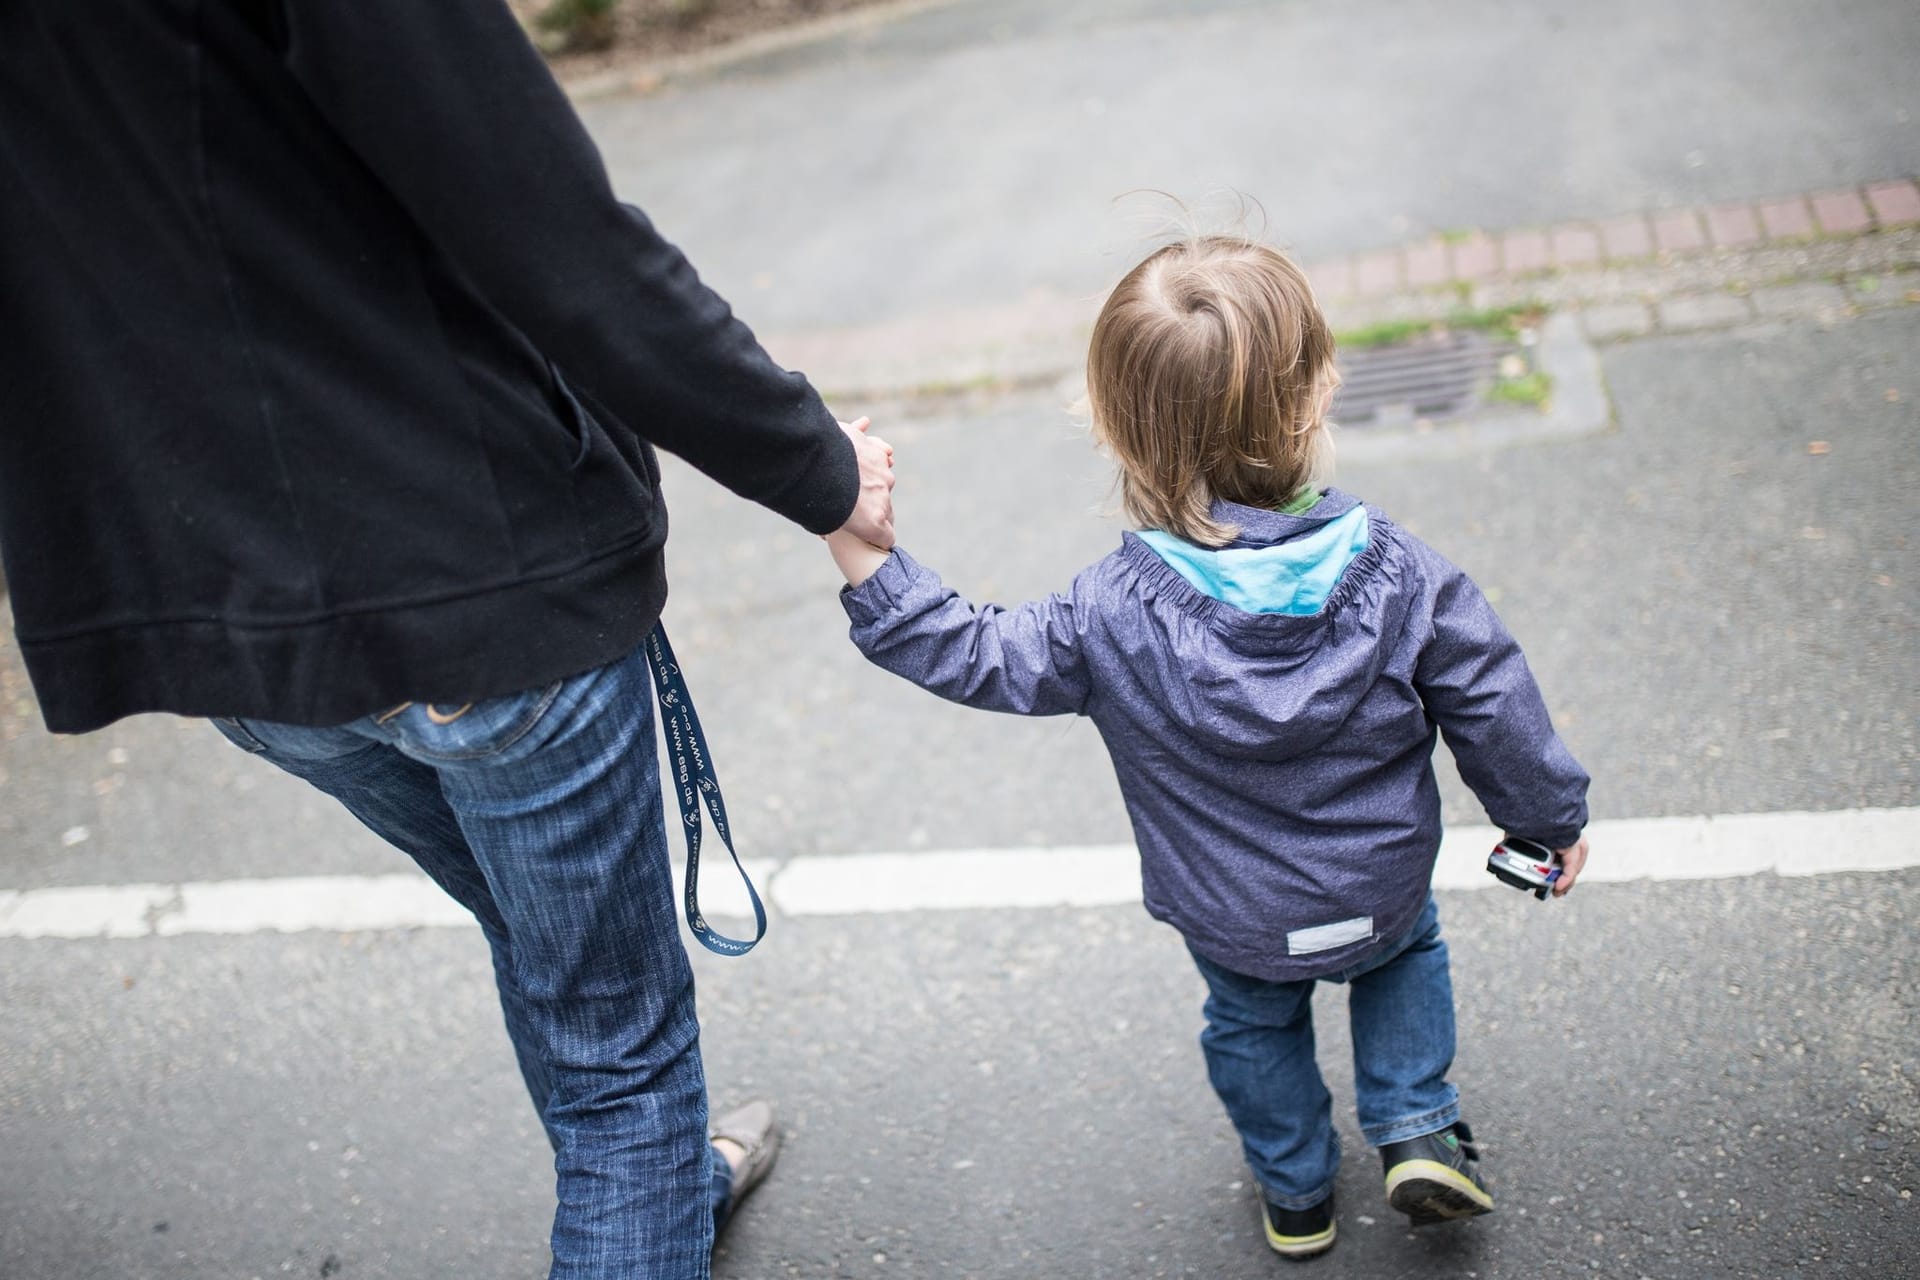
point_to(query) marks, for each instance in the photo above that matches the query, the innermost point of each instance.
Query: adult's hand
(872, 518)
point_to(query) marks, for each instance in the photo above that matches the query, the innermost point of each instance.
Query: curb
(1821, 256)
(650, 76)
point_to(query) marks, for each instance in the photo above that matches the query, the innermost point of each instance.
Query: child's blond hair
(1208, 377)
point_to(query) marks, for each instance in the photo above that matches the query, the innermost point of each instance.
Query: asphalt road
(1704, 1079)
(1675, 1080)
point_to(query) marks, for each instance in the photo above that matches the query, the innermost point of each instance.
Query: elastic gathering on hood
(1294, 577)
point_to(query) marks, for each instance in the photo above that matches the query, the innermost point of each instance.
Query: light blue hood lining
(1294, 577)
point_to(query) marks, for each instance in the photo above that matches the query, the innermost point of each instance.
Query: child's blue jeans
(1259, 1048)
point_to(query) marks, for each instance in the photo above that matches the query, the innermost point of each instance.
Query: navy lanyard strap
(693, 781)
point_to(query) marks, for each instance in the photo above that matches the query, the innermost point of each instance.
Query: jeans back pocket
(465, 731)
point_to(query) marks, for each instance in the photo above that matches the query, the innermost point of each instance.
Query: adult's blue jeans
(1259, 1049)
(540, 812)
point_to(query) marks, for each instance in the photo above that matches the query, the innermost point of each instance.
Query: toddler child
(1267, 662)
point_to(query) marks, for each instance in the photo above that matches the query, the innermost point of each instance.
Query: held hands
(872, 518)
(1573, 860)
(860, 545)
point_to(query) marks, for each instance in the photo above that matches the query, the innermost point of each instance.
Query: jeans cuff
(721, 1191)
(1297, 1202)
(1413, 1127)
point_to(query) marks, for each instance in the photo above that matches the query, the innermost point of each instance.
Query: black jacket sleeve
(450, 106)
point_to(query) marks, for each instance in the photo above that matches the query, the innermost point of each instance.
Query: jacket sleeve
(452, 109)
(1476, 685)
(1026, 660)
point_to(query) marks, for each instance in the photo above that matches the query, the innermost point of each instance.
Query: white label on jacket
(1325, 937)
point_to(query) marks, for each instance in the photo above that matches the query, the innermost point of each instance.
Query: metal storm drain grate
(1434, 376)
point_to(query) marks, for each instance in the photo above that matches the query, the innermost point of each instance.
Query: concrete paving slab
(1814, 299)
(1702, 311)
(1617, 320)
(1877, 290)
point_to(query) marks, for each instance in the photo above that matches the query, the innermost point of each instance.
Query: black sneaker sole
(1428, 1192)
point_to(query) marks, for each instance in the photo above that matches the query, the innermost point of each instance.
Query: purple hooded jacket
(1270, 709)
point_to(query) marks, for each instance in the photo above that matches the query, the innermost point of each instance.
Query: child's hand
(858, 559)
(1572, 860)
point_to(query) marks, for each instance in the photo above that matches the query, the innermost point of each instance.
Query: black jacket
(330, 365)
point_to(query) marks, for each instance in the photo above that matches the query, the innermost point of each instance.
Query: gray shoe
(1432, 1178)
(752, 1128)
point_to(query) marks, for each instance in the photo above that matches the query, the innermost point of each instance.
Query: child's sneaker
(1429, 1180)
(1299, 1233)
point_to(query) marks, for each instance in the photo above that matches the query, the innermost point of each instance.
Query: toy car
(1525, 864)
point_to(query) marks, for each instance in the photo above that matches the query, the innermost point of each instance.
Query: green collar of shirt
(1302, 502)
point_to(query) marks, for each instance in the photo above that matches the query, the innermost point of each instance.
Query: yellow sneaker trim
(1434, 1171)
(1298, 1246)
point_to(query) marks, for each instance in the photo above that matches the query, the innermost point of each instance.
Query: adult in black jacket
(330, 376)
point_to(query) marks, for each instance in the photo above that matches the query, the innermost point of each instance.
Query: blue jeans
(1259, 1048)
(540, 813)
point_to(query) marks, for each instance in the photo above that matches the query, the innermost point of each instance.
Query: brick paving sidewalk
(1475, 256)
(1820, 255)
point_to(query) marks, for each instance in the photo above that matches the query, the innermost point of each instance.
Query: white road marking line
(344, 904)
(958, 879)
(1688, 848)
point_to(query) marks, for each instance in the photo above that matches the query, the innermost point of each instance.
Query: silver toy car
(1525, 864)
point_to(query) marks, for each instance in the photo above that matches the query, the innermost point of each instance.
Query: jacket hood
(1277, 634)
